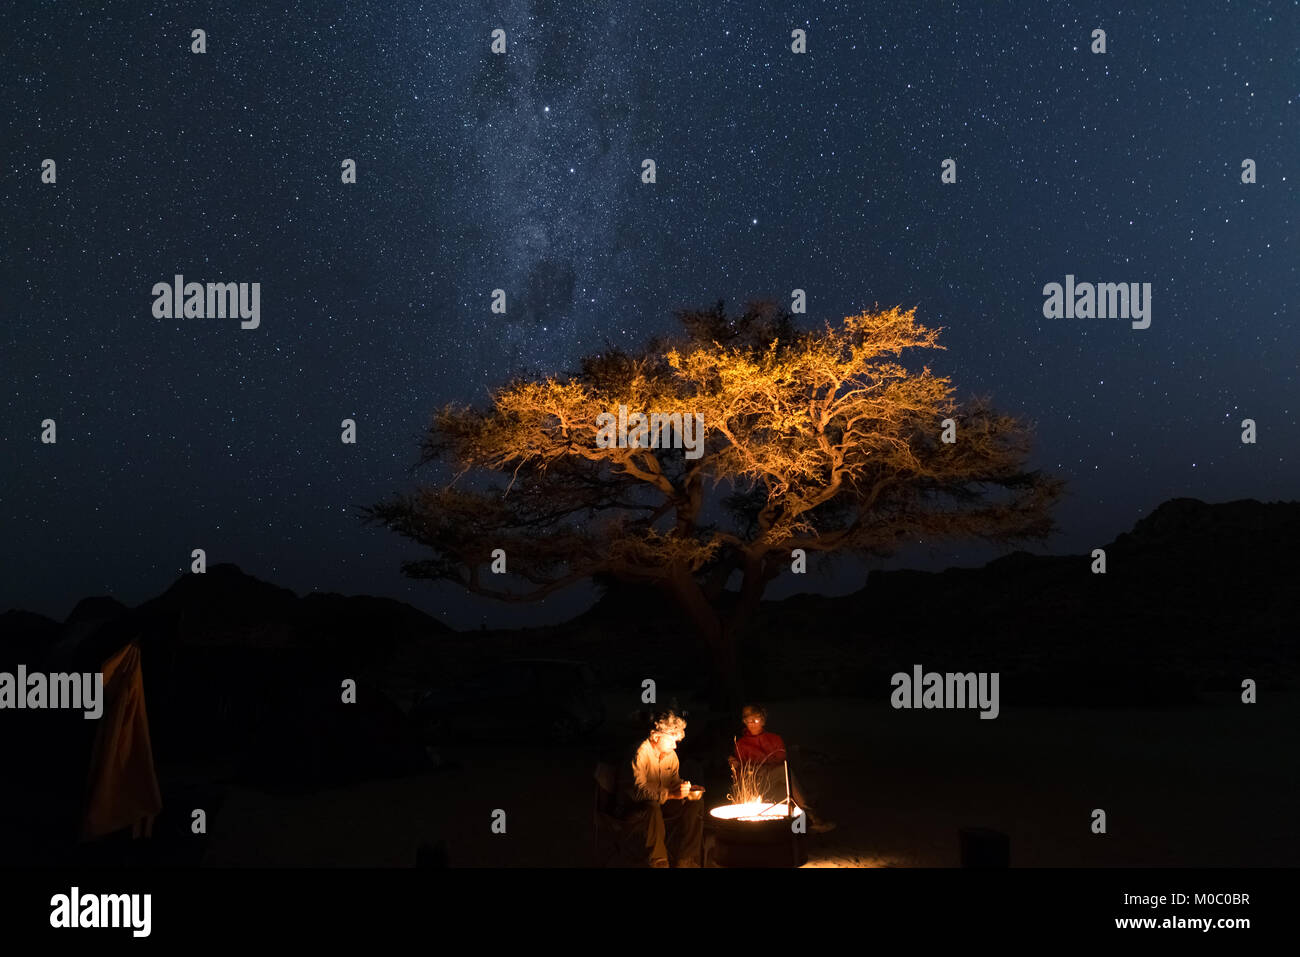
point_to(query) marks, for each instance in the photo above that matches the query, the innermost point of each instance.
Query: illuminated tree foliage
(816, 440)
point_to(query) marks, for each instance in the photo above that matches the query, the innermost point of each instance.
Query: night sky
(775, 171)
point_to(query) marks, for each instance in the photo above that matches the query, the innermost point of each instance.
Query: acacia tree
(814, 440)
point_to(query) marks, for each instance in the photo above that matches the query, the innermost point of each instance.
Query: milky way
(547, 133)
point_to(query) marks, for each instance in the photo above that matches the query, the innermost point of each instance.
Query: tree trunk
(755, 576)
(726, 690)
(729, 688)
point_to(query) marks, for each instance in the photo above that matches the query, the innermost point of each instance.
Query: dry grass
(746, 783)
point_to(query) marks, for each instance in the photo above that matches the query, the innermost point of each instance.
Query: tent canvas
(122, 789)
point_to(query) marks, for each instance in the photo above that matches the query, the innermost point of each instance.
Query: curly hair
(669, 723)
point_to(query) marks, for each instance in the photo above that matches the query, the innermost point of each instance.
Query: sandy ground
(1213, 786)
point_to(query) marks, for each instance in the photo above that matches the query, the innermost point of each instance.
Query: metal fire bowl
(765, 843)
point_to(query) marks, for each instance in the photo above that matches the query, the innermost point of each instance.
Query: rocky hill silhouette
(1195, 598)
(235, 669)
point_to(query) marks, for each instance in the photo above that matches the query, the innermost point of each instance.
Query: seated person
(763, 752)
(656, 791)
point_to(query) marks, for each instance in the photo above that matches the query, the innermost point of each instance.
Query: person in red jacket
(765, 750)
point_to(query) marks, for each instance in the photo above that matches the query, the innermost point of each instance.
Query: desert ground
(1214, 785)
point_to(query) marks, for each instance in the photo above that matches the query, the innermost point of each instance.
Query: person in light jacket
(657, 791)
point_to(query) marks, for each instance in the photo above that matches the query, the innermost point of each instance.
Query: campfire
(755, 811)
(748, 800)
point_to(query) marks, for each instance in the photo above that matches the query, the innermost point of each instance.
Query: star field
(522, 171)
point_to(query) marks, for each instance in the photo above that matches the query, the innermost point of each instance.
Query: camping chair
(604, 822)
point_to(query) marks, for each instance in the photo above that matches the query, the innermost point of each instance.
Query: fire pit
(757, 834)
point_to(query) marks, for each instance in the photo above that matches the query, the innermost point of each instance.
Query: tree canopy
(813, 439)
